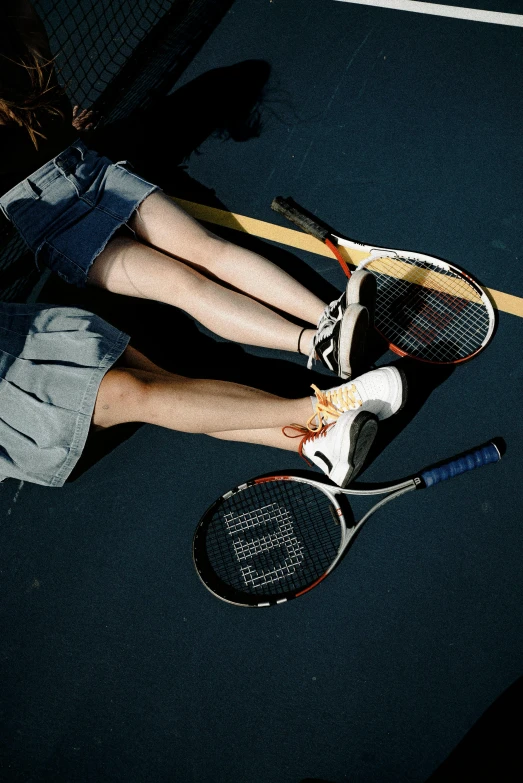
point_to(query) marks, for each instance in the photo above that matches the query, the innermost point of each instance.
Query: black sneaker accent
(362, 289)
(324, 459)
(363, 432)
(340, 346)
(404, 388)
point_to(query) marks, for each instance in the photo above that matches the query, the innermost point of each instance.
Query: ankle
(305, 341)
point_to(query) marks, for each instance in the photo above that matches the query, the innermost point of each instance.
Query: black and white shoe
(339, 342)
(361, 289)
(341, 448)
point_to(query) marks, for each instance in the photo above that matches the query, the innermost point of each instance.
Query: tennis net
(114, 57)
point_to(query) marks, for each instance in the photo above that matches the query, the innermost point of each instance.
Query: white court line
(435, 9)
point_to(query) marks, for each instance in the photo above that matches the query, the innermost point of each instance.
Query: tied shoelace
(332, 403)
(306, 435)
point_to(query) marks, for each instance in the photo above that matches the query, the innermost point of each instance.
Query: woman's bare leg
(160, 222)
(131, 268)
(130, 394)
(274, 437)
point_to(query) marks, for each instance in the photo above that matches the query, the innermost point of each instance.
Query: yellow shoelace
(332, 403)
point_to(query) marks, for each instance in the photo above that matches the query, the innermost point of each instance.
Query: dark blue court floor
(117, 665)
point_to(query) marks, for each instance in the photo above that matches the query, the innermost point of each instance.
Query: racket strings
(272, 538)
(428, 311)
(248, 550)
(421, 272)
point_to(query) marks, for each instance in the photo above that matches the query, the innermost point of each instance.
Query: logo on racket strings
(253, 553)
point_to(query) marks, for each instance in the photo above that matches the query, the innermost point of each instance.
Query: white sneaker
(382, 392)
(341, 448)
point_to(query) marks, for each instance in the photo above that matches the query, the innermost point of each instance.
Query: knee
(211, 253)
(122, 397)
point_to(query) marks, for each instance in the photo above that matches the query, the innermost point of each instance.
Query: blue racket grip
(470, 461)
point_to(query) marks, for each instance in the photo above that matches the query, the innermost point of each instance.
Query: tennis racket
(426, 308)
(274, 538)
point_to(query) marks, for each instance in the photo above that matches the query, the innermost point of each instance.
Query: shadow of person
(224, 102)
(422, 379)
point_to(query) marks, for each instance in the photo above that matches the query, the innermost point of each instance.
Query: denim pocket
(32, 190)
(18, 203)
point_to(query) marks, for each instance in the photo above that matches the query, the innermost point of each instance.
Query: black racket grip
(293, 212)
(484, 455)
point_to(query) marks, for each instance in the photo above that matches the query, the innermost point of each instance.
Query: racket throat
(333, 246)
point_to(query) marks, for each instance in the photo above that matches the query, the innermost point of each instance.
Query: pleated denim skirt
(52, 361)
(69, 209)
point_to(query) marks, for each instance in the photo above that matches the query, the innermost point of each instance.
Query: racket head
(269, 540)
(427, 308)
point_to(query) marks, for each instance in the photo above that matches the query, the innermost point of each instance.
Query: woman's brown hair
(29, 89)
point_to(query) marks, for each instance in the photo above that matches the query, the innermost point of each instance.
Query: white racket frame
(373, 253)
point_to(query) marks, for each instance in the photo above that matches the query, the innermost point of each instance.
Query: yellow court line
(507, 303)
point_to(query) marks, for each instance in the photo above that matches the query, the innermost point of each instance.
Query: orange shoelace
(330, 404)
(305, 434)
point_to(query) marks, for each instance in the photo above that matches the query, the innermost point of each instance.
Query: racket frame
(361, 256)
(372, 253)
(447, 469)
(226, 593)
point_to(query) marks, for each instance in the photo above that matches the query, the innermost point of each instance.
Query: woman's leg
(133, 393)
(183, 247)
(160, 222)
(134, 359)
(138, 391)
(273, 437)
(169, 269)
(131, 268)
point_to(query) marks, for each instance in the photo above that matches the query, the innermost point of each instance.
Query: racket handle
(293, 212)
(469, 461)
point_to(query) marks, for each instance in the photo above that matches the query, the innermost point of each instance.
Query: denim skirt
(69, 209)
(52, 361)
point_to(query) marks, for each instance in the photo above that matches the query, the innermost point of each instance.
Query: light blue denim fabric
(52, 361)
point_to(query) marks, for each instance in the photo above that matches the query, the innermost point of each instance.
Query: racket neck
(333, 247)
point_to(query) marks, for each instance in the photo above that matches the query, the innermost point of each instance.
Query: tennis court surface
(397, 127)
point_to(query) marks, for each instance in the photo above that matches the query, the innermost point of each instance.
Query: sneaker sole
(404, 389)
(353, 334)
(362, 432)
(362, 289)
